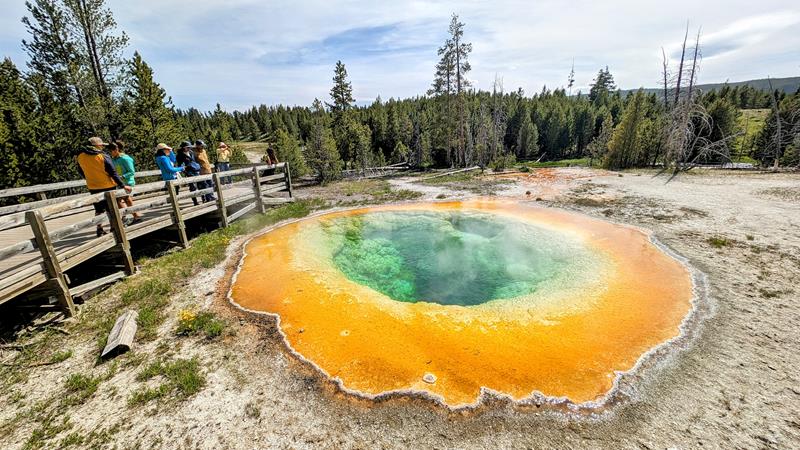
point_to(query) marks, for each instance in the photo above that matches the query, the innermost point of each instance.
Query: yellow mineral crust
(569, 346)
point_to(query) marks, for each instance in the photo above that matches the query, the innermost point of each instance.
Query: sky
(241, 53)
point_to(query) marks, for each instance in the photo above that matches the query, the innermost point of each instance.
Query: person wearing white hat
(164, 162)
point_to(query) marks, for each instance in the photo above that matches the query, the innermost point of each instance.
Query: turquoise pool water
(453, 258)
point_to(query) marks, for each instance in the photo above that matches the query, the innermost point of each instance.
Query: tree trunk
(680, 67)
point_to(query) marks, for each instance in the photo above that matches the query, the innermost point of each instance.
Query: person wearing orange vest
(98, 170)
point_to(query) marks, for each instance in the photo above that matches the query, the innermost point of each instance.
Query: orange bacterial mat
(557, 325)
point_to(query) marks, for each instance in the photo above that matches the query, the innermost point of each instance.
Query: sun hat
(96, 141)
(222, 145)
(199, 143)
(163, 146)
(185, 144)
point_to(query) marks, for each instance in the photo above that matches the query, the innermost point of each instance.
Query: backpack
(191, 165)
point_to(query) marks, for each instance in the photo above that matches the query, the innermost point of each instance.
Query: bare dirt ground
(737, 386)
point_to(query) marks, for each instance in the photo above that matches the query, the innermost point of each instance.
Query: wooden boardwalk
(41, 240)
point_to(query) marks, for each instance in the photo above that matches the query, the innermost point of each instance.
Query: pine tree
(449, 85)
(528, 138)
(147, 112)
(357, 138)
(583, 123)
(222, 124)
(321, 152)
(399, 153)
(17, 133)
(342, 98)
(602, 86)
(53, 52)
(287, 149)
(100, 47)
(598, 147)
(625, 146)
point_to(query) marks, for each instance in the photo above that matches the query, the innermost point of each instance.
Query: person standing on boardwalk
(205, 169)
(164, 157)
(224, 160)
(191, 168)
(270, 157)
(97, 168)
(126, 170)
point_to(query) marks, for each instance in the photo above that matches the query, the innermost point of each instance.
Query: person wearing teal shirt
(126, 170)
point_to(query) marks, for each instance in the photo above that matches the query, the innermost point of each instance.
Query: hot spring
(449, 298)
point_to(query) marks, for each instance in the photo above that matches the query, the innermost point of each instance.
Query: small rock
(429, 378)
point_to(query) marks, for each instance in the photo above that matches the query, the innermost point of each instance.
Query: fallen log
(121, 337)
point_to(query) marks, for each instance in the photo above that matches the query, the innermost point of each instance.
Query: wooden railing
(66, 189)
(41, 261)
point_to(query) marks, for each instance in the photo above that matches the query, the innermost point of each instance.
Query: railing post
(50, 260)
(287, 177)
(223, 212)
(118, 228)
(177, 217)
(257, 190)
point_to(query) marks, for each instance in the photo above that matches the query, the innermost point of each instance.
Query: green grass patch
(205, 323)
(182, 379)
(72, 439)
(80, 387)
(719, 242)
(561, 163)
(589, 202)
(454, 178)
(375, 191)
(49, 427)
(770, 293)
(149, 292)
(146, 290)
(61, 356)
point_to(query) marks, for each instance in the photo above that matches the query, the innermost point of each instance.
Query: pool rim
(626, 384)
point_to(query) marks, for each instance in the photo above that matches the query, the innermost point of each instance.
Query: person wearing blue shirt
(164, 161)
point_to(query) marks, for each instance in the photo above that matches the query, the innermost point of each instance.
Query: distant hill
(788, 85)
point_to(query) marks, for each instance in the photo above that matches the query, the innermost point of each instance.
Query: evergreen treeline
(76, 85)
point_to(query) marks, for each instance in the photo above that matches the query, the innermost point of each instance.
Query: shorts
(100, 207)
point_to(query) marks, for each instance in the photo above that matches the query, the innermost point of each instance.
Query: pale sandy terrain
(736, 386)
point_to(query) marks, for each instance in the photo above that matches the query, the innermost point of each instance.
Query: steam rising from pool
(455, 257)
(450, 299)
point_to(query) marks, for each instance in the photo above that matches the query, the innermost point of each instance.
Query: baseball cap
(163, 146)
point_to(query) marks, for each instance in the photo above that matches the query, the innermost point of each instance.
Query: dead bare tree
(786, 128)
(688, 124)
(665, 73)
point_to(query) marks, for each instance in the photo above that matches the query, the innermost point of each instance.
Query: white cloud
(244, 52)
